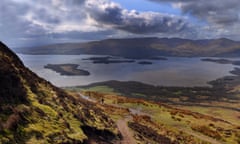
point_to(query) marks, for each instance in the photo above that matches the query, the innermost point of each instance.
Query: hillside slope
(34, 111)
(144, 48)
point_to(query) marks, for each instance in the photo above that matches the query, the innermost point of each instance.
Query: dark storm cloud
(222, 12)
(113, 15)
(158, 24)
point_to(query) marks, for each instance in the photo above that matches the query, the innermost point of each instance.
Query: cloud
(215, 18)
(221, 12)
(44, 21)
(113, 15)
(32, 20)
(13, 27)
(36, 22)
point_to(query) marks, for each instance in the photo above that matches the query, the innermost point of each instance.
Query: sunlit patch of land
(148, 121)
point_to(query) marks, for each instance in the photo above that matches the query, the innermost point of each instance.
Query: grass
(158, 114)
(46, 109)
(34, 140)
(45, 120)
(176, 121)
(138, 95)
(226, 114)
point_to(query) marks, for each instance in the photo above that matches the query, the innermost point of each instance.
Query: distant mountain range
(144, 48)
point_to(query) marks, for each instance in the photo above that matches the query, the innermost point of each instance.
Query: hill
(32, 110)
(138, 48)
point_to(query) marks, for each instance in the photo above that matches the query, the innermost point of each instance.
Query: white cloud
(111, 14)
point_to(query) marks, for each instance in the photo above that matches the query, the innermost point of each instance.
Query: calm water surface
(175, 71)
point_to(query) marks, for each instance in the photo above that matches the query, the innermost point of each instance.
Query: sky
(26, 23)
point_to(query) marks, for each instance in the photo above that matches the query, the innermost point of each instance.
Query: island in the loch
(108, 60)
(67, 69)
(157, 58)
(145, 63)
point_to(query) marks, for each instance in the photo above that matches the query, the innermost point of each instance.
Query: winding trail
(125, 131)
(86, 98)
(122, 126)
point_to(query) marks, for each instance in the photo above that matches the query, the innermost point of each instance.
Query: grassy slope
(34, 111)
(211, 122)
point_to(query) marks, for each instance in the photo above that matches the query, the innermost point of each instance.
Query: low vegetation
(154, 122)
(34, 111)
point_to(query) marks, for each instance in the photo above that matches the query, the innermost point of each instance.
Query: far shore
(222, 61)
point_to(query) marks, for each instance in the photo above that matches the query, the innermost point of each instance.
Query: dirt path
(121, 124)
(125, 131)
(86, 98)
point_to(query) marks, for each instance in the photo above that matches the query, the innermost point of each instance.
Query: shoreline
(219, 89)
